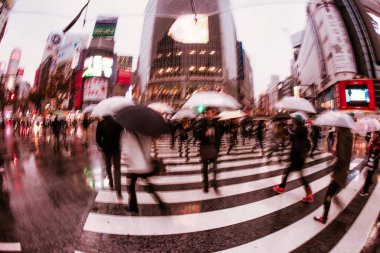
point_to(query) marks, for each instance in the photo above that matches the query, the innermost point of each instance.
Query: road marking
(10, 246)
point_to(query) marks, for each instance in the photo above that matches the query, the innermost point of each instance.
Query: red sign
(124, 76)
(356, 95)
(20, 72)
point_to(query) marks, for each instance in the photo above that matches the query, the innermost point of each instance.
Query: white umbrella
(161, 107)
(184, 114)
(89, 109)
(366, 124)
(212, 98)
(334, 118)
(296, 104)
(110, 106)
(231, 115)
(302, 114)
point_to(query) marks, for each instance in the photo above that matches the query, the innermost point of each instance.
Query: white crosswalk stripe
(248, 175)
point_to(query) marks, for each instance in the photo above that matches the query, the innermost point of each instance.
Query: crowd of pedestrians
(207, 132)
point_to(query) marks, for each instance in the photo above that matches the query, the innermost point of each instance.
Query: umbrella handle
(155, 149)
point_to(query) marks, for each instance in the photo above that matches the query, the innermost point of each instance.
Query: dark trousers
(368, 179)
(232, 141)
(181, 142)
(114, 180)
(296, 165)
(205, 164)
(132, 191)
(315, 146)
(332, 190)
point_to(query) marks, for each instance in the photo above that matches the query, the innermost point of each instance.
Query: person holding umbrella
(373, 149)
(298, 153)
(142, 124)
(209, 131)
(340, 169)
(108, 138)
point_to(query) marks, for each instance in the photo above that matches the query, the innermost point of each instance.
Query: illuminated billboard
(188, 30)
(98, 66)
(95, 89)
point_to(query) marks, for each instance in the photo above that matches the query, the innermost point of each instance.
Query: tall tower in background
(175, 61)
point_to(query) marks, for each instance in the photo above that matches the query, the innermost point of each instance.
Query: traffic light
(200, 108)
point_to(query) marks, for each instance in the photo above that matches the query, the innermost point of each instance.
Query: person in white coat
(135, 156)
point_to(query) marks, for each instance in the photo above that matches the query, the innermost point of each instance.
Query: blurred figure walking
(108, 138)
(315, 135)
(260, 136)
(298, 153)
(85, 125)
(135, 155)
(233, 129)
(340, 169)
(183, 137)
(209, 131)
(374, 152)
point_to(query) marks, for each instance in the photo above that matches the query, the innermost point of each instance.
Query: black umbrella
(142, 119)
(281, 116)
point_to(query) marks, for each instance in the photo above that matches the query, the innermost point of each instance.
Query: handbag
(208, 151)
(158, 164)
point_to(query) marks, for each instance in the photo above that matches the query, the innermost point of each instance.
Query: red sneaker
(320, 219)
(308, 198)
(278, 189)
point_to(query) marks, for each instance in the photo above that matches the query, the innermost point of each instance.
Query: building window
(169, 54)
(179, 53)
(159, 56)
(192, 68)
(202, 52)
(202, 68)
(212, 52)
(192, 52)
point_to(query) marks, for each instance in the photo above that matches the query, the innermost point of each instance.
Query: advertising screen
(357, 96)
(95, 89)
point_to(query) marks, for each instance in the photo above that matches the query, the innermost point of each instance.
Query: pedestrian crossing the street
(243, 215)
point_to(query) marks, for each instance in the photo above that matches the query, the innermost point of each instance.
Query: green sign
(104, 30)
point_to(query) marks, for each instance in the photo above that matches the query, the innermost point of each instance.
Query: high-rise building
(182, 53)
(337, 58)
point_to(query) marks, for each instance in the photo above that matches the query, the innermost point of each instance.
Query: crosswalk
(244, 215)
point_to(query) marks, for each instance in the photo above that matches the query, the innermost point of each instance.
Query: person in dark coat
(233, 129)
(298, 153)
(315, 135)
(374, 151)
(340, 169)
(260, 136)
(108, 139)
(56, 128)
(184, 140)
(209, 132)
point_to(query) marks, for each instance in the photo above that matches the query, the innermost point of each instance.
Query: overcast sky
(264, 27)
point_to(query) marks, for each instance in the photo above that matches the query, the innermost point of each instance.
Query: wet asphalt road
(46, 194)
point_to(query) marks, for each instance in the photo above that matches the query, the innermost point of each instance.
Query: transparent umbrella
(184, 114)
(161, 107)
(212, 98)
(365, 125)
(110, 105)
(226, 115)
(335, 119)
(295, 104)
